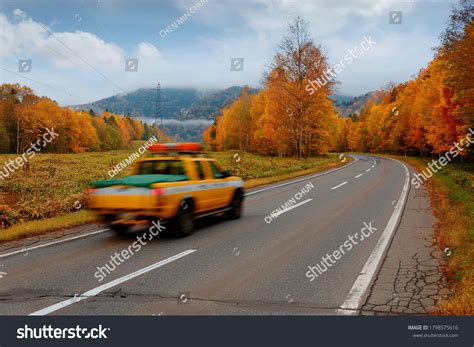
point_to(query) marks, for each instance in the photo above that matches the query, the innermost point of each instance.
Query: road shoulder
(410, 280)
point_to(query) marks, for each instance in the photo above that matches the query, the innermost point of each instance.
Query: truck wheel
(184, 221)
(235, 206)
(119, 228)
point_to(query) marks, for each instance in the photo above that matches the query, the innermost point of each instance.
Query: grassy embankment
(49, 194)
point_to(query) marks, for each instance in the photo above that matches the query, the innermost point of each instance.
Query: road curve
(254, 265)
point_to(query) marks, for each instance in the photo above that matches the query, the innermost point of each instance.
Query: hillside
(176, 103)
(347, 105)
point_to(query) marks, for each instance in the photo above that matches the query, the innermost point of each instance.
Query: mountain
(176, 103)
(347, 105)
(186, 112)
(207, 107)
(183, 104)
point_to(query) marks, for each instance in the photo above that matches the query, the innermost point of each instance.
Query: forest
(24, 117)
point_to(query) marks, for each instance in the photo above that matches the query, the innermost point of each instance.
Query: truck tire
(235, 207)
(184, 220)
(119, 228)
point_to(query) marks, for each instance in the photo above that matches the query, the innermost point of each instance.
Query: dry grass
(268, 180)
(253, 166)
(39, 227)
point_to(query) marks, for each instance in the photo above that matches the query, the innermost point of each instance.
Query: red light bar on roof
(175, 147)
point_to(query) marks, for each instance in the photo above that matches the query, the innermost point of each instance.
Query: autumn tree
(301, 109)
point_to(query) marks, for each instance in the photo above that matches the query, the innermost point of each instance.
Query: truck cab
(176, 183)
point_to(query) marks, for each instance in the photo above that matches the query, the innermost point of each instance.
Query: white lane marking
(294, 206)
(367, 170)
(359, 289)
(340, 185)
(105, 286)
(23, 250)
(302, 179)
(359, 175)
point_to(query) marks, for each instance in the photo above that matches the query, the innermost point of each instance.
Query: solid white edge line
(359, 289)
(23, 250)
(356, 159)
(359, 175)
(294, 206)
(340, 185)
(105, 286)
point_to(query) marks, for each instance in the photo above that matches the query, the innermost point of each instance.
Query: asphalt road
(246, 266)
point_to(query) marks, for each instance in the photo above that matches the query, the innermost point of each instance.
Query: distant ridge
(176, 103)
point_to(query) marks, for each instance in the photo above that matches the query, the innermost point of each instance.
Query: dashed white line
(367, 170)
(359, 175)
(294, 206)
(23, 250)
(105, 286)
(340, 185)
(305, 178)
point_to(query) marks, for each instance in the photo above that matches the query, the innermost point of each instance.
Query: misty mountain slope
(347, 105)
(176, 103)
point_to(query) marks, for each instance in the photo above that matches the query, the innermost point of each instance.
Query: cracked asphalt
(410, 281)
(245, 266)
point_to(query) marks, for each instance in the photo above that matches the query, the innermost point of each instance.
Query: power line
(77, 55)
(60, 54)
(43, 84)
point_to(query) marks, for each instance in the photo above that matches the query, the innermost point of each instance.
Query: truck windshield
(161, 167)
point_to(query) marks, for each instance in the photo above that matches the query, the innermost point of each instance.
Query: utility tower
(158, 105)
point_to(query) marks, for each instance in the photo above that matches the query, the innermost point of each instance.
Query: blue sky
(104, 33)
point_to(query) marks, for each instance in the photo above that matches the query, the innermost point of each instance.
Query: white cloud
(19, 13)
(30, 38)
(326, 16)
(18, 38)
(148, 53)
(95, 51)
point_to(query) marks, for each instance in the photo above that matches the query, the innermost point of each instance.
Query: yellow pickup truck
(177, 183)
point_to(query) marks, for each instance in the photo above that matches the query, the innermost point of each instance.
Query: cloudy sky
(78, 49)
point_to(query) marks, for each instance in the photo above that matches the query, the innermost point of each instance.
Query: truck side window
(215, 171)
(199, 170)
